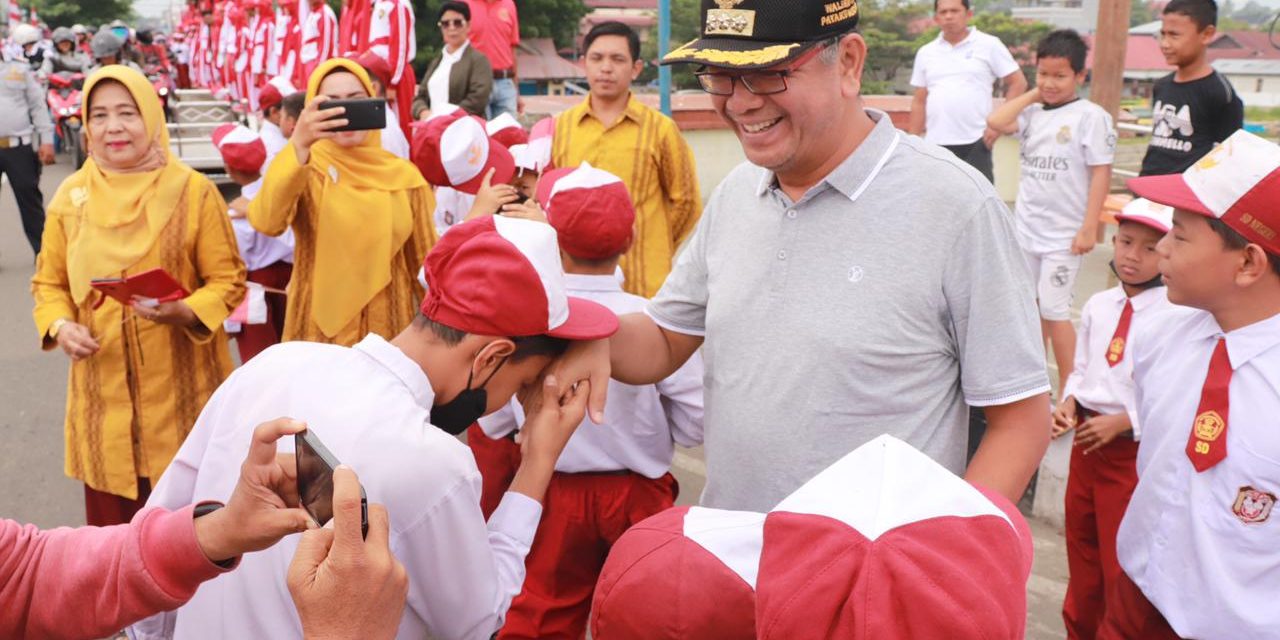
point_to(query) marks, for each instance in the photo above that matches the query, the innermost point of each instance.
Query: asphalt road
(32, 397)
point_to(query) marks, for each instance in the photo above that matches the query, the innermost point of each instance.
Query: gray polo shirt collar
(852, 176)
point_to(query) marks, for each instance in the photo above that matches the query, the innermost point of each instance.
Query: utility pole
(1109, 43)
(664, 42)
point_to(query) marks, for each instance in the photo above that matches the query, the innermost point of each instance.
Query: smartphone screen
(315, 465)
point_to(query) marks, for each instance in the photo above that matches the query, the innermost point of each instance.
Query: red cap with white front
(887, 544)
(1143, 211)
(506, 130)
(241, 148)
(274, 91)
(500, 276)
(687, 572)
(590, 210)
(1238, 183)
(454, 151)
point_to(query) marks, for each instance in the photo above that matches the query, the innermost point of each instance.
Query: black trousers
(976, 154)
(23, 168)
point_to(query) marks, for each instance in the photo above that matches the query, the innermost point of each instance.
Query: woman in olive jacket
(460, 75)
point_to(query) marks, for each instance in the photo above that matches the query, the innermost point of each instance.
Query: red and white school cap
(506, 130)
(1152, 214)
(1238, 183)
(274, 91)
(887, 544)
(241, 147)
(687, 572)
(454, 151)
(590, 210)
(500, 276)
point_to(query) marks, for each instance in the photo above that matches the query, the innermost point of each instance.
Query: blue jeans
(502, 98)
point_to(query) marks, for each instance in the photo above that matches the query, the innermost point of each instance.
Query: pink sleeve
(515, 26)
(91, 582)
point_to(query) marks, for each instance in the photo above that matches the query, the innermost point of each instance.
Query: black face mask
(454, 416)
(1157, 281)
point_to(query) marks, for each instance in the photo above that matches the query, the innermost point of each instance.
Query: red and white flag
(15, 13)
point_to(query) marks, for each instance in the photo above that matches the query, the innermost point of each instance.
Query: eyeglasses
(456, 23)
(760, 83)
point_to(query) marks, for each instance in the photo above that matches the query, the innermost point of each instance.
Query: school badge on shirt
(1064, 134)
(1253, 506)
(1208, 426)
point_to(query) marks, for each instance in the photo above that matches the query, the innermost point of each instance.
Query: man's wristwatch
(204, 509)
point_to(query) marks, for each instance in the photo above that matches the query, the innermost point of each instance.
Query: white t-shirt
(1059, 145)
(960, 79)
(438, 83)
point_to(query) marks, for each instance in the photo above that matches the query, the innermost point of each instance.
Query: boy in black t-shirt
(1194, 107)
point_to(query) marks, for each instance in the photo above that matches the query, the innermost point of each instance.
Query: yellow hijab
(124, 208)
(363, 218)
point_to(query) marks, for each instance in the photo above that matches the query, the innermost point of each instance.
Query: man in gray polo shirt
(848, 281)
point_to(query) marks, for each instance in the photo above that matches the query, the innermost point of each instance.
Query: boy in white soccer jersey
(1099, 404)
(1198, 541)
(1067, 148)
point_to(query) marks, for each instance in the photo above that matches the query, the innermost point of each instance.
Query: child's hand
(1064, 417)
(238, 208)
(491, 197)
(1098, 431)
(548, 428)
(529, 210)
(1084, 241)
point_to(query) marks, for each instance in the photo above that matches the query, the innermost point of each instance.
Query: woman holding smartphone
(361, 218)
(140, 373)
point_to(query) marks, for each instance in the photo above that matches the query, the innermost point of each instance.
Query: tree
(686, 20)
(64, 13)
(891, 47)
(1141, 12)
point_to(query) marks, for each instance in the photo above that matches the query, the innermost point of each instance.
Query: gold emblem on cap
(1209, 426)
(727, 21)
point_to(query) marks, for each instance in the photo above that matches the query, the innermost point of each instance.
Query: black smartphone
(315, 480)
(363, 114)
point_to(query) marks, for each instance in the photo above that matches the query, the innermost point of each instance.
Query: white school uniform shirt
(370, 405)
(642, 423)
(452, 207)
(1059, 147)
(257, 249)
(960, 79)
(1093, 381)
(1203, 546)
(393, 139)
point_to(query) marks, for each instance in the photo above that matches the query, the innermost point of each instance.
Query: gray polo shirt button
(791, 213)
(782, 254)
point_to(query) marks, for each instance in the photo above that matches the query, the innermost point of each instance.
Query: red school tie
(1207, 444)
(1115, 350)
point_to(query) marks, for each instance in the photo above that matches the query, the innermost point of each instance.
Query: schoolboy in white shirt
(611, 475)
(1068, 145)
(1198, 543)
(1099, 404)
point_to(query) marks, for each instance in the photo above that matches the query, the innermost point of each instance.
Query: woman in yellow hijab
(140, 373)
(361, 218)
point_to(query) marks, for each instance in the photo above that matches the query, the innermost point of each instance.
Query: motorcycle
(164, 85)
(64, 102)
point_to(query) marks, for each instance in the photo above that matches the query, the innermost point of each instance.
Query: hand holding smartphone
(315, 480)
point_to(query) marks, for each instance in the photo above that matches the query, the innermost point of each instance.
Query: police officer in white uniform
(25, 126)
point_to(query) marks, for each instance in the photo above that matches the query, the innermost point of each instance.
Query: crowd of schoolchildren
(360, 287)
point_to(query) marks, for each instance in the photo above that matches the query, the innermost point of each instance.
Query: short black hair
(1202, 12)
(526, 346)
(963, 2)
(1234, 241)
(456, 7)
(1064, 43)
(614, 28)
(293, 104)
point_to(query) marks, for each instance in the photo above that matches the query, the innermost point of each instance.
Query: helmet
(25, 34)
(63, 34)
(105, 44)
(78, 29)
(144, 36)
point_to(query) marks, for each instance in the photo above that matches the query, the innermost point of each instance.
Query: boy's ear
(1207, 35)
(1254, 267)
